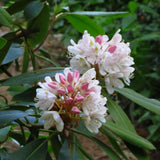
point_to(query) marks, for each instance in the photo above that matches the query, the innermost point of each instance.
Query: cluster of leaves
(30, 22)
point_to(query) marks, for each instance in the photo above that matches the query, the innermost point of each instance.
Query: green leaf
(4, 133)
(150, 104)
(113, 141)
(7, 116)
(13, 53)
(33, 9)
(119, 116)
(2, 42)
(5, 18)
(129, 20)
(18, 6)
(39, 26)
(85, 153)
(48, 60)
(106, 148)
(4, 51)
(129, 136)
(25, 59)
(29, 77)
(36, 150)
(147, 37)
(26, 96)
(148, 9)
(95, 13)
(132, 6)
(82, 23)
(140, 153)
(14, 90)
(67, 153)
(56, 145)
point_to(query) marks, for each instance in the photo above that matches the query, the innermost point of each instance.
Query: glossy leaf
(32, 151)
(29, 77)
(33, 9)
(118, 115)
(18, 6)
(13, 90)
(129, 136)
(39, 26)
(5, 18)
(7, 116)
(26, 96)
(67, 153)
(4, 51)
(96, 13)
(25, 59)
(56, 145)
(150, 104)
(2, 42)
(13, 53)
(113, 141)
(89, 157)
(103, 146)
(4, 133)
(82, 23)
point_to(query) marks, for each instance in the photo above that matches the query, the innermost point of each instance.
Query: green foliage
(82, 22)
(5, 18)
(4, 133)
(34, 150)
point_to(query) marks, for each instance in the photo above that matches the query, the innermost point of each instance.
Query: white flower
(70, 98)
(52, 118)
(110, 58)
(46, 99)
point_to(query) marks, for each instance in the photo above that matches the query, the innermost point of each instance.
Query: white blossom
(111, 58)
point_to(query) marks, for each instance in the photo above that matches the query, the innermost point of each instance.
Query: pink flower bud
(69, 77)
(76, 75)
(53, 85)
(70, 88)
(112, 48)
(62, 79)
(75, 110)
(61, 91)
(79, 98)
(84, 85)
(99, 39)
(69, 100)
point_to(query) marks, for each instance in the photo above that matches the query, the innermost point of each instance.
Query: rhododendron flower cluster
(110, 58)
(71, 98)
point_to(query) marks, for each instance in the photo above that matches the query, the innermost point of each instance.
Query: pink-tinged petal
(70, 88)
(69, 99)
(84, 85)
(89, 91)
(70, 77)
(62, 79)
(75, 110)
(99, 39)
(112, 48)
(79, 98)
(53, 85)
(61, 91)
(76, 75)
